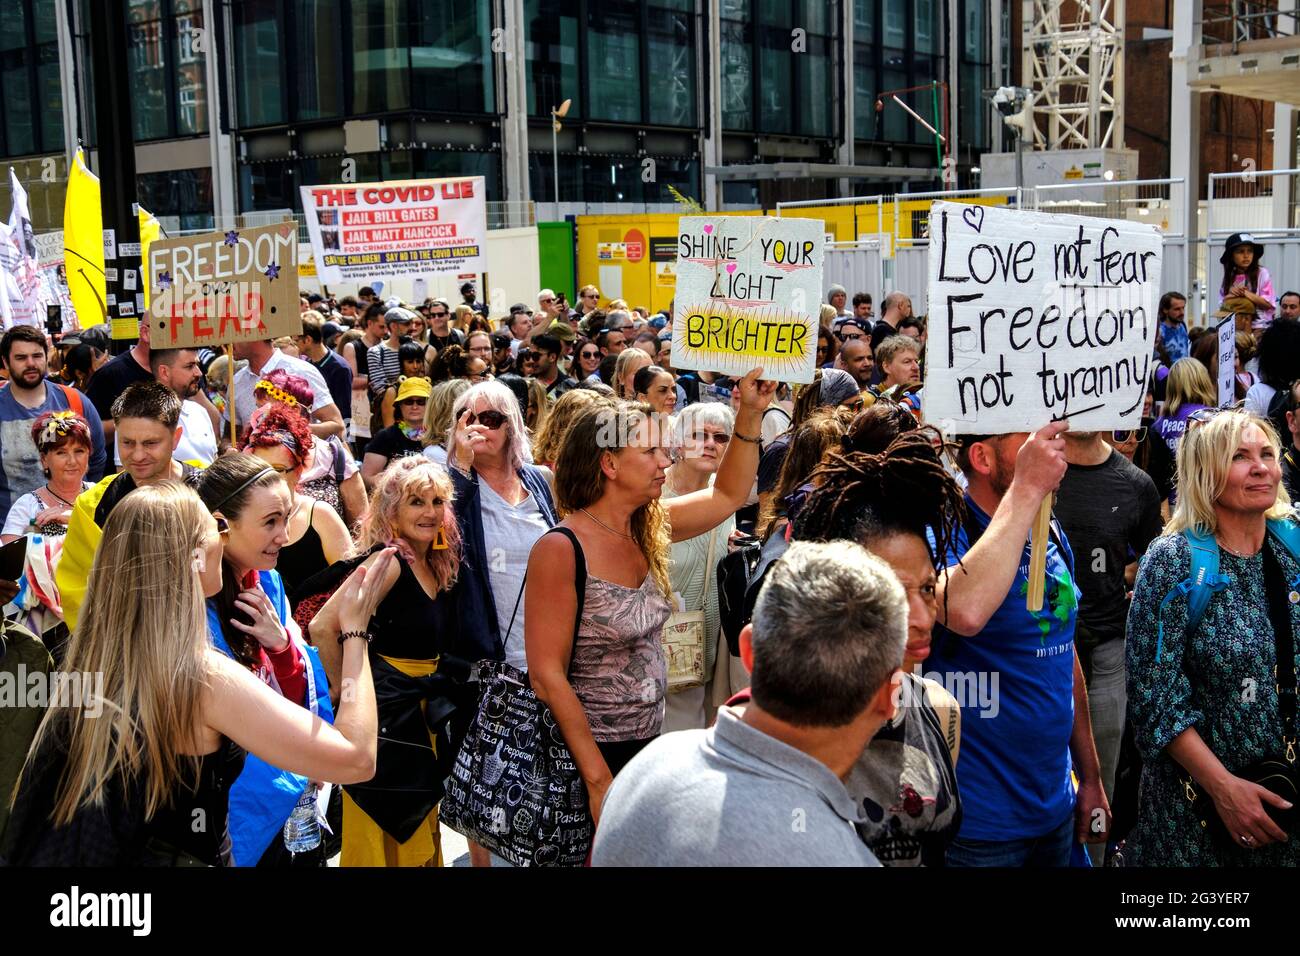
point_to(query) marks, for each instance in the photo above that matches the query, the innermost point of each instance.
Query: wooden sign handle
(1038, 556)
(230, 392)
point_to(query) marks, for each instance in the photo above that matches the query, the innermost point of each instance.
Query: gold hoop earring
(440, 541)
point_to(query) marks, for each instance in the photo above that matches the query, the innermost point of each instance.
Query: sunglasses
(591, 295)
(490, 419)
(586, 354)
(415, 401)
(1124, 436)
(526, 356)
(850, 336)
(720, 438)
(439, 315)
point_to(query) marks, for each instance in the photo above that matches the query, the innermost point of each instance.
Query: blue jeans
(1053, 849)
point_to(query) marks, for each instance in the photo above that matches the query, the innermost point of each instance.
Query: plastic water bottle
(301, 831)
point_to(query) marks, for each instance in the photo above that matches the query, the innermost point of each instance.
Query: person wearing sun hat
(1246, 286)
(403, 437)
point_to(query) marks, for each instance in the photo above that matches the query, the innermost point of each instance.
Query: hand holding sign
(754, 392)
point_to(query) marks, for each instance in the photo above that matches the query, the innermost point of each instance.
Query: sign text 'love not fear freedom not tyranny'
(1037, 317)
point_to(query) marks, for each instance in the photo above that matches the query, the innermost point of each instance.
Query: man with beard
(179, 370)
(856, 359)
(28, 396)
(1028, 733)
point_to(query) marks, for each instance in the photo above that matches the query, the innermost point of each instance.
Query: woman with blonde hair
(548, 438)
(461, 317)
(630, 361)
(393, 819)
(1194, 641)
(1188, 390)
(538, 406)
(596, 604)
(437, 418)
(121, 781)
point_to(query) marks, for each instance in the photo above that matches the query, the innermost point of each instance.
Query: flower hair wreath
(276, 394)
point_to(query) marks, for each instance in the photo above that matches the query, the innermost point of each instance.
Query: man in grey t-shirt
(765, 787)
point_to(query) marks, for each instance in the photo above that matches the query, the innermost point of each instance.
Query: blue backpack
(1205, 580)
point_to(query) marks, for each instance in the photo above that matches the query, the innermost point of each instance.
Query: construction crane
(1074, 65)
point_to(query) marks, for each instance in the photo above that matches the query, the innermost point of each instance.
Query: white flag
(21, 263)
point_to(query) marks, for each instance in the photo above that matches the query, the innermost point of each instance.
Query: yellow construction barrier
(634, 257)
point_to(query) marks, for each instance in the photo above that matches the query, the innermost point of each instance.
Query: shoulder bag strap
(1279, 615)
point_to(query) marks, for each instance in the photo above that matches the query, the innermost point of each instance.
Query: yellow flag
(83, 244)
(150, 229)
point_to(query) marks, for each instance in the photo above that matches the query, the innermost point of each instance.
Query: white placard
(1036, 318)
(1227, 336)
(401, 228)
(748, 294)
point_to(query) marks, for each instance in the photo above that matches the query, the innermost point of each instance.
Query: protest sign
(1227, 346)
(1036, 318)
(748, 291)
(218, 288)
(405, 228)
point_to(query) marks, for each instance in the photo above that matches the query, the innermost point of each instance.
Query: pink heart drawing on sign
(708, 229)
(731, 267)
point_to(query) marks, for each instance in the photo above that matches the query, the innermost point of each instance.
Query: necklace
(605, 526)
(1236, 554)
(57, 495)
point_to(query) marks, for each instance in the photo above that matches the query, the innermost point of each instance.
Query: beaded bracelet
(364, 635)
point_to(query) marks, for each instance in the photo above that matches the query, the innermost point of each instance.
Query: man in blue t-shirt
(1015, 672)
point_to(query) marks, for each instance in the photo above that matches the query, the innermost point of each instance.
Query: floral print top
(1219, 679)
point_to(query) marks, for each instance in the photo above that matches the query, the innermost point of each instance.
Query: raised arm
(285, 735)
(969, 594)
(701, 511)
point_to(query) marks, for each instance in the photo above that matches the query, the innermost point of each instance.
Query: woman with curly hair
(392, 820)
(548, 439)
(437, 418)
(596, 604)
(454, 362)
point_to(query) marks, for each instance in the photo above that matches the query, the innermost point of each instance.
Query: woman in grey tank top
(602, 671)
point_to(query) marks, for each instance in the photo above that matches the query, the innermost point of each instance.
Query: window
(451, 56)
(816, 88)
(774, 81)
(147, 63)
(258, 57)
(551, 38)
(864, 21)
(190, 68)
(924, 31)
(378, 55)
(185, 193)
(614, 61)
(318, 66)
(670, 52)
(737, 75)
(895, 22)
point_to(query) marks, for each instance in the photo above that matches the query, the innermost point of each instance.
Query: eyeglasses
(591, 295)
(545, 301)
(490, 419)
(720, 438)
(1124, 436)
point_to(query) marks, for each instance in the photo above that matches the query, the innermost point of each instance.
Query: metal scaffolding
(1074, 62)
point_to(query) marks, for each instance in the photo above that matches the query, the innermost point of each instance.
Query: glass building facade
(292, 79)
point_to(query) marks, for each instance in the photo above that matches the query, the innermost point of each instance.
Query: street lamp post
(556, 115)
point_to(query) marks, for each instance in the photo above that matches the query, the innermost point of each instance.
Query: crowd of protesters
(289, 610)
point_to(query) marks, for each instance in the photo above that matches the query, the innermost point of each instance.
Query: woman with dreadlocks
(902, 505)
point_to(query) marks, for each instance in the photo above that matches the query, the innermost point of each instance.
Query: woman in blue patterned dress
(1203, 699)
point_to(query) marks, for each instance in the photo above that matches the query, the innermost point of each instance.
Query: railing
(1239, 21)
(500, 215)
(921, 227)
(1156, 201)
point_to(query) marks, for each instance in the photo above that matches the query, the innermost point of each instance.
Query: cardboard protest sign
(1036, 318)
(218, 288)
(748, 291)
(408, 227)
(1226, 335)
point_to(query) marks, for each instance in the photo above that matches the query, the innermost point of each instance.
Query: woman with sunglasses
(405, 436)
(503, 505)
(411, 355)
(828, 347)
(701, 434)
(587, 365)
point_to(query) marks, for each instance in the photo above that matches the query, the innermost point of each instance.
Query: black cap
(500, 341)
(1240, 239)
(467, 287)
(520, 307)
(314, 297)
